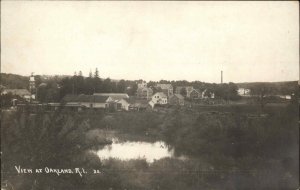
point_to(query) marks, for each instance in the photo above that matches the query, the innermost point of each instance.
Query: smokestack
(221, 77)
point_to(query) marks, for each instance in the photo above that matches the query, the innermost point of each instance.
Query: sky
(249, 41)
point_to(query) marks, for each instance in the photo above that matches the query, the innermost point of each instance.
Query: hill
(14, 81)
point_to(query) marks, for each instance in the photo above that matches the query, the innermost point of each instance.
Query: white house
(244, 92)
(116, 99)
(159, 98)
(124, 104)
(133, 103)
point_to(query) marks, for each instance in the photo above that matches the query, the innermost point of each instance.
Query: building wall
(94, 105)
(144, 93)
(189, 90)
(158, 99)
(244, 92)
(124, 104)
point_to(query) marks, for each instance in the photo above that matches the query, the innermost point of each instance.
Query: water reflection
(135, 150)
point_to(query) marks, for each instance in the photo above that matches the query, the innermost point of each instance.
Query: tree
(107, 85)
(183, 92)
(44, 140)
(121, 86)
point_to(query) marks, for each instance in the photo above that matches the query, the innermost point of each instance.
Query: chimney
(221, 77)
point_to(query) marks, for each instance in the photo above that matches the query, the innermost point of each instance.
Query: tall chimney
(221, 77)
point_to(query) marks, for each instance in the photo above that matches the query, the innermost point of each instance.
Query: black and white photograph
(150, 95)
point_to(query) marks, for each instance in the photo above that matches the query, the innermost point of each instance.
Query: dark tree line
(79, 84)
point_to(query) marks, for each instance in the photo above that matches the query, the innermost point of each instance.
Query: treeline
(79, 84)
(271, 88)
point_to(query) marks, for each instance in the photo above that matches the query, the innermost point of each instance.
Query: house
(138, 104)
(24, 93)
(133, 103)
(166, 88)
(195, 94)
(184, 90)
(244, 92)
(115, 99)
(207, 94)
(89, 101)
(124, 104)
(158, 98)
(176, 99)
(144, 93)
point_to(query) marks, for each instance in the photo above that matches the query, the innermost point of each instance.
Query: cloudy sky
(249, 41)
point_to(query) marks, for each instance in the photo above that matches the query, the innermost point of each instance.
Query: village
(146, 97)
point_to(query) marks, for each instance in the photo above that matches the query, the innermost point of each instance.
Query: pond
(136, 150)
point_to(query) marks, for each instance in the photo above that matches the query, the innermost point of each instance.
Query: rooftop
(114, 96)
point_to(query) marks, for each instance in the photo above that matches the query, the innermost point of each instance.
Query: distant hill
(18, 81)
(14, 81)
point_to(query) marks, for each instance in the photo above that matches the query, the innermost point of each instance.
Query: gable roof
(196, 90)
(114, 96)
(164, 86)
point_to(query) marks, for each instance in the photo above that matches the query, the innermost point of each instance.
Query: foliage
(13, 81)
(42, 140)
(6, 99)
(183, 92)
(274, 88)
